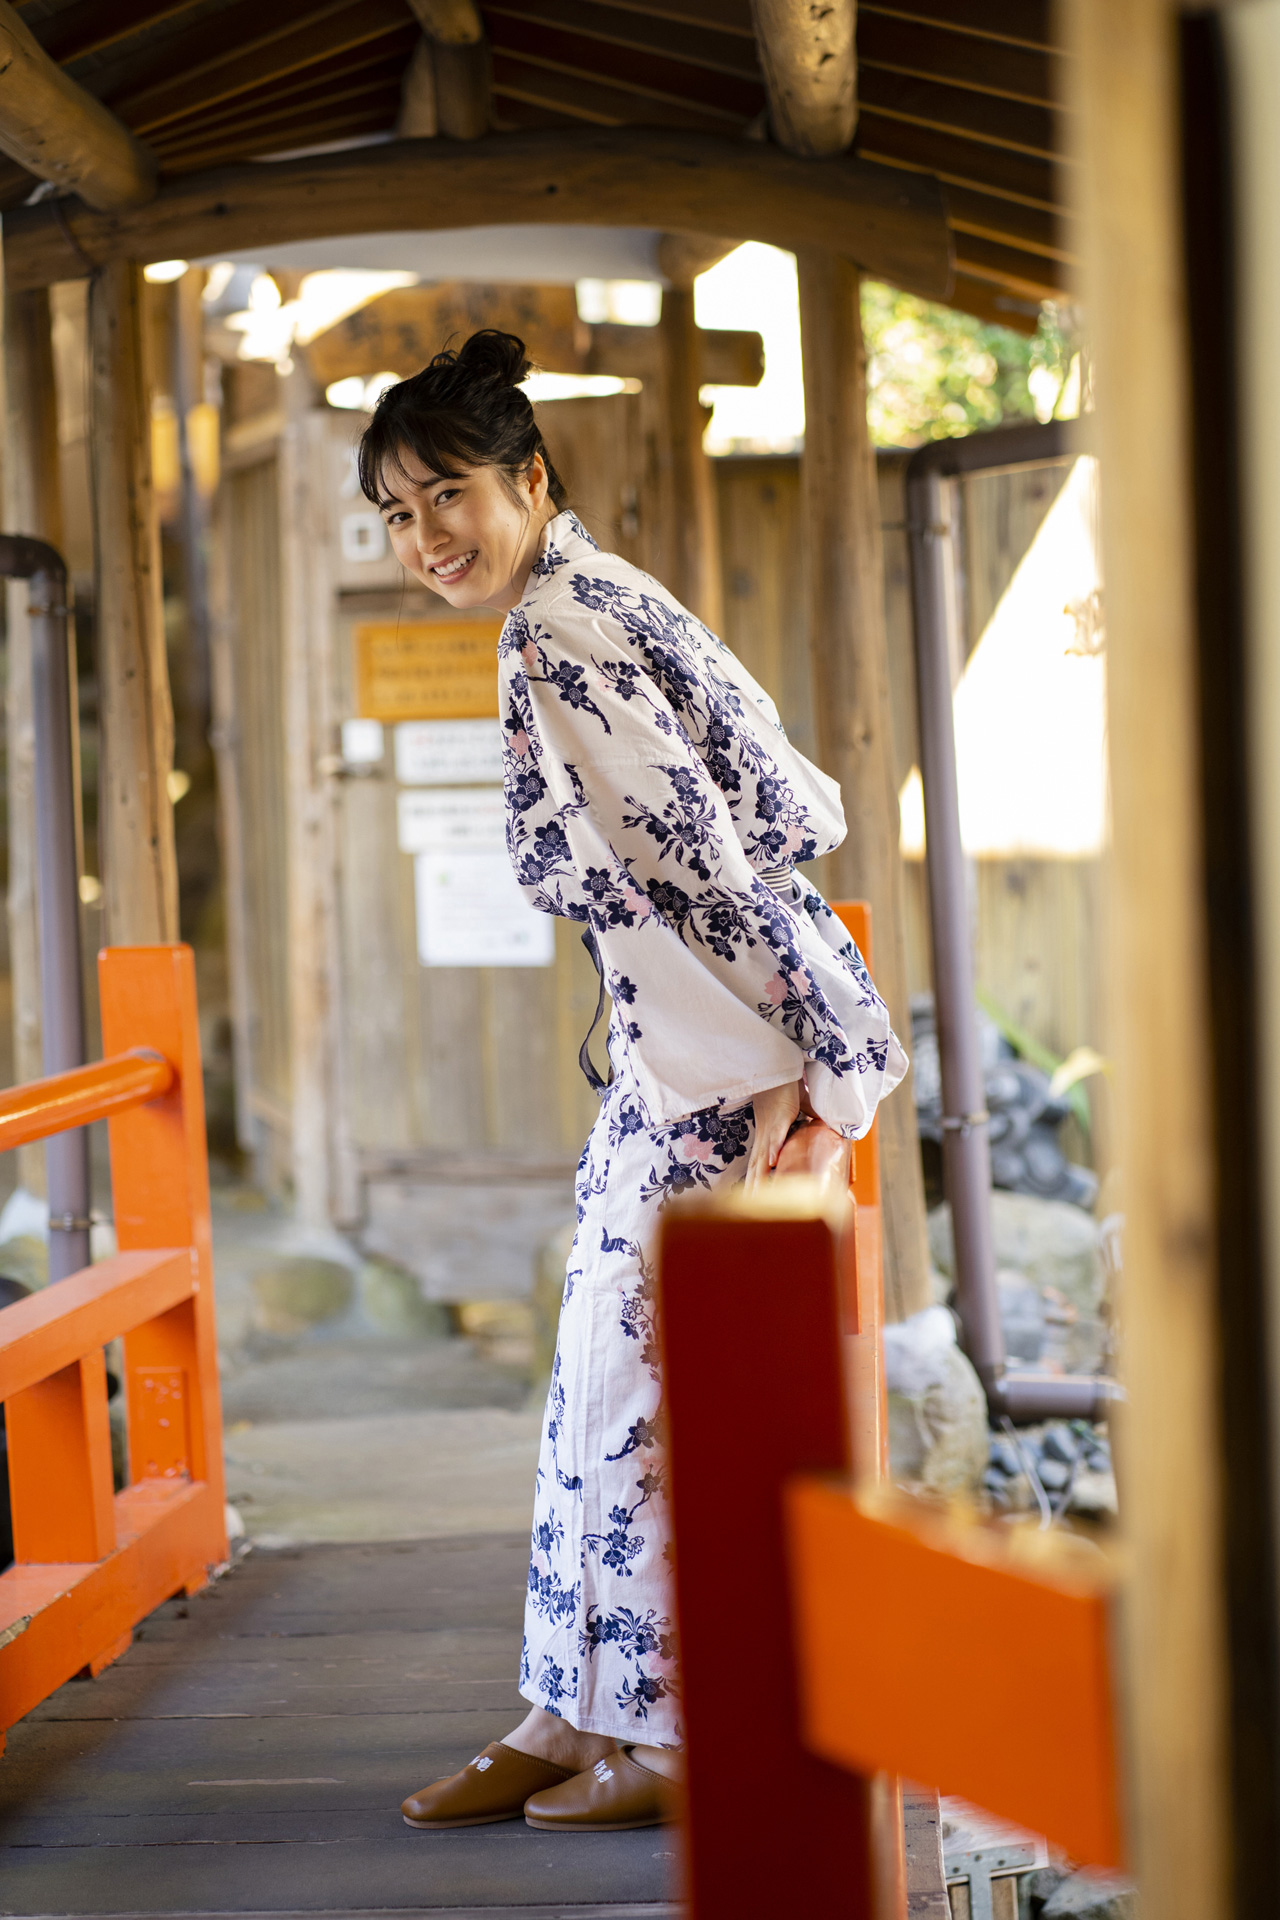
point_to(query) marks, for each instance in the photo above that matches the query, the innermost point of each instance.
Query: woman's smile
(455, 567)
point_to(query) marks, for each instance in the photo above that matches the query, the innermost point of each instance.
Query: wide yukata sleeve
(714, 996)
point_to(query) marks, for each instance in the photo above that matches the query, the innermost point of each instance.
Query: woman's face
(468, 538)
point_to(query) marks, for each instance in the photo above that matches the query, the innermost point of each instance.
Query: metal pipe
(965, 1151)
(61, 996)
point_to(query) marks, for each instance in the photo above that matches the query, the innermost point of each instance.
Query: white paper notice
(439, 753)
(471, 913)
(461, 817)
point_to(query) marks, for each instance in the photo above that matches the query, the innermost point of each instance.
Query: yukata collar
(564, 541)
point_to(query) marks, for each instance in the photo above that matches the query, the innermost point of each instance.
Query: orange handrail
(73, 1099)
(90, 1562)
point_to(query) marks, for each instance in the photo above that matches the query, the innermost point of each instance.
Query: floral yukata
(653, 797)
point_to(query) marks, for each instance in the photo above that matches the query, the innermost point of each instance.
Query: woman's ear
(537, 481)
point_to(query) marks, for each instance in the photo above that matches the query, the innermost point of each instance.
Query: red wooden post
(60, 1466)
(160, 1183)
(755, 1394)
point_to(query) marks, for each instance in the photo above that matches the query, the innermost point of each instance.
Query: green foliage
(933, 372)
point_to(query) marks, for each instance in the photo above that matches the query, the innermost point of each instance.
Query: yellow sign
(427, 669)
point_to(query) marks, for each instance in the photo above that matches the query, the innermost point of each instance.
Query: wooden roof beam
(810, 70)
(51, 126)
(454, 55)
(892, 223)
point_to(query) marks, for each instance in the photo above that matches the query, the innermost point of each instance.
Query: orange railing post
(90, 1563)
(160, 1184)
(754, 1381)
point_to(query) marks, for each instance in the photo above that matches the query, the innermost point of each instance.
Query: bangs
(438, 440)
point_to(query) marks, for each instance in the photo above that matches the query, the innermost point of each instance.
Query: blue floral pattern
(650, 787)
(650, 791)
(599, 1630)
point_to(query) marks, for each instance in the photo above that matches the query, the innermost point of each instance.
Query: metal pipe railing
(966, 1156)
(57, 861)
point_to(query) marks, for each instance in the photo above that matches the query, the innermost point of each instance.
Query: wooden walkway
(248, 1755)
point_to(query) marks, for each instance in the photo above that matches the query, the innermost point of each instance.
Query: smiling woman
(456, 464)
(653, 798)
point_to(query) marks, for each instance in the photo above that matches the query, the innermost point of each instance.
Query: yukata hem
(592, 1723)
(729, 1102)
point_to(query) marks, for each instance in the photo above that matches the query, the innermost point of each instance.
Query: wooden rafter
(945, 109)
(1017, 23)
(892, 223)
(284, 117)
(664, 81)
(958, 161)
(362, 121)
(313, 86)
(1033, 276)
(52, 127)
(810, 68)
(230, 66)
(598, 102)
(959, 60)
(625, 27)
(1030, 227)
(92, 26)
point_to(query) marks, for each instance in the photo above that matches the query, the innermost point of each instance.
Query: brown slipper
(614, 1795)
(492, 1787)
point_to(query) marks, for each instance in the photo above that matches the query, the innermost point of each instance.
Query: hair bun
(491, 354)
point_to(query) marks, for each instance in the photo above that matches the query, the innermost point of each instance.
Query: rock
(25, 1258)
(1034, 1889)
(1060, 1443)
(1089, 1895)
(392, 1301)
(300, 1291)
(1021, 1316)
(1054, 1475)
(503, 1331)
(1094, 1493)
(1004, 1455)
(1054, 1246)
(938, 1437)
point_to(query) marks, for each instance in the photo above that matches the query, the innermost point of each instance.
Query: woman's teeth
(449, 568)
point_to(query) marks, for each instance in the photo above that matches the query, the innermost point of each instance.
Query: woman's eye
(445, 495)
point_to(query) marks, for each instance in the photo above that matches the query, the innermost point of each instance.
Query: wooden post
(32, 504)
(139, 864)
(324, 1177)
(844, 572)
(680, 516)
(1174, 1620)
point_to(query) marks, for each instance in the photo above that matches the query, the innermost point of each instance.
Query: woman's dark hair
(463, 410)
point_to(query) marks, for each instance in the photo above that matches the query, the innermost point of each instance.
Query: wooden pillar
(682, 529)
(32, 504)
(139, 864)
(325, 1176)
(1175, 1634)
(845, 586)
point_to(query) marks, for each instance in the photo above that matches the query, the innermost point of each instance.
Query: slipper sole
(472, 1820)
(594, 1826)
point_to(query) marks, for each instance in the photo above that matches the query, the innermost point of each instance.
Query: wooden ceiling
(965, 90)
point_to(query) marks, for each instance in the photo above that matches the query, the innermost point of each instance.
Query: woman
(652, 797)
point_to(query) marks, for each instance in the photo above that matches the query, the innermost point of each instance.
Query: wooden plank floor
(248, 1754)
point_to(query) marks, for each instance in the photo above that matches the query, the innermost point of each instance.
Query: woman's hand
(776, 1111)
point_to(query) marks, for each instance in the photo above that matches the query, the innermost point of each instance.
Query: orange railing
(835, 1636)
(89, 1563)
